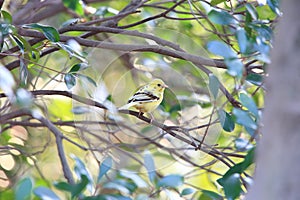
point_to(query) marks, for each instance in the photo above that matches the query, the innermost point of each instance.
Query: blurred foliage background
(66, 66)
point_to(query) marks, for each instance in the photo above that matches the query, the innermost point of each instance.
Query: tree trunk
(278, 156)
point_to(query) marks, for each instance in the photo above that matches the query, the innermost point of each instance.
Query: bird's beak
(166, 86)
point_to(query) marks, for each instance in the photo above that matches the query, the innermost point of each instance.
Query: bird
(147, 98)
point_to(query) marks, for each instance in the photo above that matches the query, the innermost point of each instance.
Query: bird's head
(158, 84)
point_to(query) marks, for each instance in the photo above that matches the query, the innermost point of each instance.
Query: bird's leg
(140, 114)
(151, 118)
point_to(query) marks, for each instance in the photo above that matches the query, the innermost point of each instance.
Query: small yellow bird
(147, 98)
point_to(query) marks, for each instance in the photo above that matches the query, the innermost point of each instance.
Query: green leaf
(71, 51)
(206, 194)
(216, 2)
(81, 170)
(6, 16)
(150, 166)
(235, 67)
(255, 79)
(70, 80)
(243, 118)
(213, 85)
(49, 32)
(221, 49)
(232, 186)
(19, 43)
(240, 167)
(274, 5)
(134, 177)
(172, 181)
(74, 5)
(242, 39)
(74, 189)
(187, 191)
(249, 103)
(78, 67)
(252, 11)
(221, 17)
(226, 121)
(105, 167)
(23, 189)
(45, 193)
(251, 131)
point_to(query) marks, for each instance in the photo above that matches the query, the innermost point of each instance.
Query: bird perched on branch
(147, 98)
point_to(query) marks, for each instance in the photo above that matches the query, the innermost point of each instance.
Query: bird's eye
(158, 84)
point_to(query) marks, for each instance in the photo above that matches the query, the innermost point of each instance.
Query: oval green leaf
(221, 49)
(226, 121)
(221, 17)
(104, 167)
(172, 181)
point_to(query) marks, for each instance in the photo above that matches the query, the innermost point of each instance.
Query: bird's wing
(143, 97)
(140, 97)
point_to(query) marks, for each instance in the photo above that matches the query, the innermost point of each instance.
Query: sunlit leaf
(45, 193)
(221, 49)
(172, 181)
(252, 11)
(274, 5)
(235, 67)
(6, 16)
(221, 17)
(216, 2)
(23, 189)
(242, 39)
(105, 167)
(74, 5)
(49, 32)
(249, 103)
(243, 118)
(19, 43)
